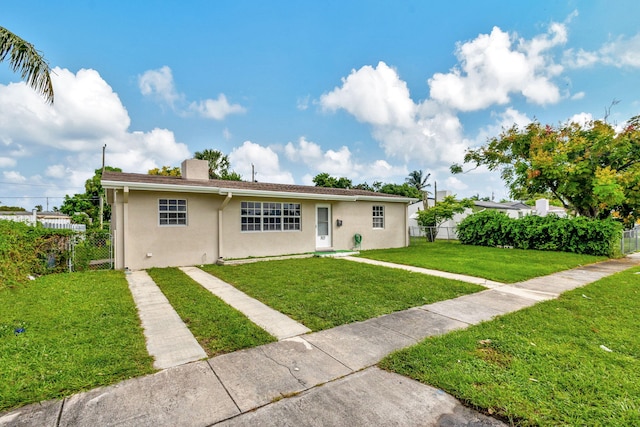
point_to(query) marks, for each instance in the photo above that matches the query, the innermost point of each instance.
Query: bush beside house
(578, 235)
(30, 250)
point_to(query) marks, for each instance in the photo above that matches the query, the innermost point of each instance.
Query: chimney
(542, 207)
(195, 169)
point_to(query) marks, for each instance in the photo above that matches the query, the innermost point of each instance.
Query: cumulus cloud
(583, 119)
(265, 161)
(494, 66)
(159, 84)
(405, 130)
(339, 162)
(373, 95)
(70, 134)
(621, 52)
(216, 109)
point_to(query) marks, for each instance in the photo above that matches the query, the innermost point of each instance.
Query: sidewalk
(322, 378)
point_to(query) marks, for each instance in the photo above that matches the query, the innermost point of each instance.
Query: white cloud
(265, 160)
(454, 184)
(373, 95)
(578, 96)
(583, 119)
(216, 109)
(159, 84)
(503, 121)
(7, 162)
(87, 114)
(303, 103)
(14, 177)
(621, 52)
(494, 66)
(339, 162)
(406, 130)
(56, 171)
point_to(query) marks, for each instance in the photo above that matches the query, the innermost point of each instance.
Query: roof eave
(181, 188)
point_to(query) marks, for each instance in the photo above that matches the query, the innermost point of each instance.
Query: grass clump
(571, 361)
(218, 327)
(325, 292)
(501, 265)
(64, 333)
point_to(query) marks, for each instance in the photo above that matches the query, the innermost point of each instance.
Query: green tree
(165, 171)
(405, 190)
(325, 180)
(89, 202)
(592, 170)
(433, 217)
(418, 180)
(26, 60)
(218, 165)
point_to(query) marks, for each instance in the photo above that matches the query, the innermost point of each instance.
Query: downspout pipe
(224, 204)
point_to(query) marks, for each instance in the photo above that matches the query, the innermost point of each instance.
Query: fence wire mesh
(92, 250)
(630, 241)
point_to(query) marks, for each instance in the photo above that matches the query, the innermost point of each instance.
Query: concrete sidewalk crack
(301, 382)
(225, 388)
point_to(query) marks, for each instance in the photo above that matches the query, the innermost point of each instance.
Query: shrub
(578, 235)
(27, 250)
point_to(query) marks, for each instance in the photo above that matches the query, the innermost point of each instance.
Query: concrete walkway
(168, 339)
(272, 321)
(278, 384)
(454, 276)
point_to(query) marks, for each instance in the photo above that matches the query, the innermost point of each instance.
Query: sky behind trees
(368, 90)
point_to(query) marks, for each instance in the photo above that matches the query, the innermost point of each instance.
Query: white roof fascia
(247, 192)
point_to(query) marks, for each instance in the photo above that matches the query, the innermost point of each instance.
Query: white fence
(64, 226)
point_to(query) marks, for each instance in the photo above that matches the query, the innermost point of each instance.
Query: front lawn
(500, 265)
(64, 333)
(322, 293)
(571, 361)
(218, 327)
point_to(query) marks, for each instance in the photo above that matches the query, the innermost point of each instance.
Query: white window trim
(186, 213)
(374, 216)
(281, 217)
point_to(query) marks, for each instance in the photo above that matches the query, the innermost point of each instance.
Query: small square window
(172, 212)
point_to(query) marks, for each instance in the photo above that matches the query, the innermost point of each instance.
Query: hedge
(30, 251)
(579, 235)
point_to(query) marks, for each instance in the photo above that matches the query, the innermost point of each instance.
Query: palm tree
(418, 180)
(25, 59)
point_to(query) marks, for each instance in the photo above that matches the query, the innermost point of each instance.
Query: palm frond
(25, 59)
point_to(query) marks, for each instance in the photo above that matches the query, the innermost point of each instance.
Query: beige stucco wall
(198, 243)
(149, 244)
(356, 218)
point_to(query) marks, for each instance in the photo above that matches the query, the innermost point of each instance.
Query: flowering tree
(593, 169)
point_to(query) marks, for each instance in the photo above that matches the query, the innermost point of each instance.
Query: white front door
(323, 226)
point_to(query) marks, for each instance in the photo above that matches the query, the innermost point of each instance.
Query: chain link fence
(433, 233)
(630, 241)
(92, 250)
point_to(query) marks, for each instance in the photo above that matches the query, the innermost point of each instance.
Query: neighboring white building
(47, 219)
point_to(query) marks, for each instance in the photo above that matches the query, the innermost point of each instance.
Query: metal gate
(91, 250)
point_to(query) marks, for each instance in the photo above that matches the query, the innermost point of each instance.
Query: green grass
(501, 265)
(218, 327)
(81, 330)
(544, 365)
(325, 292)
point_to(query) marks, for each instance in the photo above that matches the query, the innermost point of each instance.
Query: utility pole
(104, 148)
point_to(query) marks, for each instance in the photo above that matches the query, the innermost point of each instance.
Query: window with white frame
(172, 212)
(378, 216)
(269, 216)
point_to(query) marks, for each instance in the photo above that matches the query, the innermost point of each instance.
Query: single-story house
(160, 221)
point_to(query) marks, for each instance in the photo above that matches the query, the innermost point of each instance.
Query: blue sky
(370, 90)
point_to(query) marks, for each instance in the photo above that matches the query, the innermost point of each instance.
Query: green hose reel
(357, 240)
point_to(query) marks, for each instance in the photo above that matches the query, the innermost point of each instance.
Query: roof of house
(496, 205)
(136, 181)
